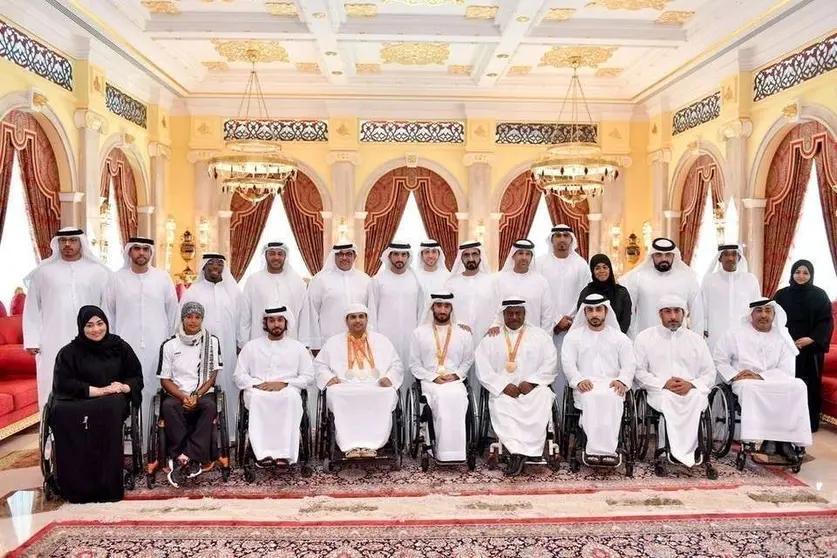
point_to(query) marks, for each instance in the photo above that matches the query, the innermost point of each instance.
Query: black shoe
(768, 447)
(787, 451)
(515, 465)
(192, 470)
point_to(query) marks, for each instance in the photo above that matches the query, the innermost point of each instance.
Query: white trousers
(520, 423)
(682, 420)
(774, 410)
(274, 422)
(449, 404)
(362, 414)
(601, 417)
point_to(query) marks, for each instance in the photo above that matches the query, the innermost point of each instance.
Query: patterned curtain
(246, 227)
(384, 208)
(518, 206)
(21, 132)
(560, 212)
(826, 160)
(303, 205)
(437, 206)
(703, 174)
(7, 158)
(125, 190)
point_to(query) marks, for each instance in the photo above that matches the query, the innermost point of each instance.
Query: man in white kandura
(272, 370)
(598, 361)
(663, 273)
(726, 291)
(361, 371)
(142, 307)
(277, 283)
(517, 368)
(758, 359)
(70, 278)
(430, 267)
(441, 354)
(474, 290)
(331, 290)
(519, 276)
(674, 366)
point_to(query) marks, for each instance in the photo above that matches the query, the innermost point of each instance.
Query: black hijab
(108, 344)
(605, 288)
(808, 308)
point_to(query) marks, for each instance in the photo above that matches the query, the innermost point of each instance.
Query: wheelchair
(574, 439)
(326, 438)
(131, 433)
(244, 456)
(551, 456)
(726, 417)
(648, 428)
(421, 432)
(157, 454)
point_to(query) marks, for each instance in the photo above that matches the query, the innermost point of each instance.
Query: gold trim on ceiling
(361, 10)
(425, 2)
(215, 65)
(609, 72)
(674, 18)
(559, 14)
(481, 12)
(166, 7)
(519, 70)
(368, 68)
(286, 9)
(415, 54)
(238, 51)
(460, 69)
(632, 5)
(308, 67)
(562, 57)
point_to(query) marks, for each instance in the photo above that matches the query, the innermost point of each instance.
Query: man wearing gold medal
(517, 367)
(441, 353)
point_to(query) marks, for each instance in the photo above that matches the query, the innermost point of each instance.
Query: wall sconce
(480, 230)
(104, 225)
(171, 229)
(187, 252)
(632, 250)
(646, 235)
(203, 235)
(342, 231)
(615, 243)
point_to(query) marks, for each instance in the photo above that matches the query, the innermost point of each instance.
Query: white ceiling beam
(215, 23)
(323, 18)
(607, 33)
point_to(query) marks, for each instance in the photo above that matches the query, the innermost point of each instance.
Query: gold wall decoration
(674, 18)
(609, 72)
(215, 65)
(459, 69)
(285, 9)
(559, 14)
(415, 54)
(308, 67)
(236, 51)
(368, 68)
(632, 5)
(361, 10)
(519, 70)
(560, 56)
(481, 12)
(614, 133)
(166, 7)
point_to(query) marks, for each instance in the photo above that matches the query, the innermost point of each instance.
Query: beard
(673, 325)
(141, 260)
(595, 322)
(398, 265)
(441, 318)
(662, 266)
(471, 266)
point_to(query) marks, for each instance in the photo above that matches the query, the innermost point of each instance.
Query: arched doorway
(701, 187)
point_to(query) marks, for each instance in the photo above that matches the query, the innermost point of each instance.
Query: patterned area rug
(381, 481)
(764, 535)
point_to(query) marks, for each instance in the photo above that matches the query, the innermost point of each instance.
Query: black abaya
(620, 299)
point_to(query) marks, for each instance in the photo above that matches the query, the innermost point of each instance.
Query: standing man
(518, 276)
(474, 290)
(142, 306)
(727, 289)
(70, 278)
(331, 290)
(431, 269)
(276, 284)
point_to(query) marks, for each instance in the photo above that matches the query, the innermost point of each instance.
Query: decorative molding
(361, 10)
(285, 9)
(609, 72)
(368, 68)
(674, 18)
(412, 131)
(415, 54)
(215, 65)
(157, 149)
(86, 119)
(519, 70)
(563, 56)
(71, 197)
(797, 68)
(559, 14)
(459, 69)
(481, 12)
(477, 158)
(29, 54)
(238, 51)
(632, 5)
(276, 130)
(699, 112)
(411, 160)
(792, 112)
(196, 155)
(122, 104)
(164, 7)
(352, 157)
(738, 128)
(543, 133)
(659, 156)
(308, 67)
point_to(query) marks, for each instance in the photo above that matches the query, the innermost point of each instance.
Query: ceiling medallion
(632, 5)
(481, 12)
(215, 65)
(674, 18)
(519, 70)
(308, 67)
(368, 68)
(563, 57)
(559, 14)
(609, 72)
(161, 7)
(281, 8)
(415, 54)
(425, 2)
(242, 51)
(361, 10)
(460, 69)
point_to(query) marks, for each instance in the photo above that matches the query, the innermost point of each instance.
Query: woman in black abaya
(604, 283)
(96, 375)
(810, 324)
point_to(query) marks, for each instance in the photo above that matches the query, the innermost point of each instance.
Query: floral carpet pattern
(764, 536)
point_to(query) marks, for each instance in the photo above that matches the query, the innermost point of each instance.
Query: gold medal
(511, 367)
(441, 370)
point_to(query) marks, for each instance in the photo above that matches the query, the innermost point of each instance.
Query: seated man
(674, 366)
(598, 361)
(441, 353)
(758, 359)
(189, 364)
(272, 370)
(517, 367)
(362, 372)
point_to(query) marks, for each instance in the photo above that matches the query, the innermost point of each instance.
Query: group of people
(521, 334)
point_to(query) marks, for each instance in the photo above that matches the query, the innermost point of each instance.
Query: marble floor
(24, 511)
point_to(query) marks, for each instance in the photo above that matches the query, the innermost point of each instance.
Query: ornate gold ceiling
(161, 7)
(559, 14)
(675, 18)
(360, 10)
(285, 9)
(238, 51)
(560, 56)
(632, 5)
(415, 54)
(481, 12)
(368, 68)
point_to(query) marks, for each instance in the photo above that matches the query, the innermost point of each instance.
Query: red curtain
(437, 206)
(246, 227)
(384, 208)
(7, 158)
(303, 205)
(703, 174)
(518, 206)
(124, 189)
(577, 217)
(826, 160)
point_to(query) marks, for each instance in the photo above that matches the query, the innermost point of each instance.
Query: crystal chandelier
(574, 170)
(254, 168)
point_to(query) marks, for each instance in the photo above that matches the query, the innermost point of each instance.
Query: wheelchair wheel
(412, 423)
(136, 442)
(425, 461)
(644, 431)
(50, 489)
(249, 474)
(471, 459)
(723, 420)
(128, 480)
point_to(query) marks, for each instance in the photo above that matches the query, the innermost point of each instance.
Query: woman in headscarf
(810, 324)
(96, 375)
(604, 283)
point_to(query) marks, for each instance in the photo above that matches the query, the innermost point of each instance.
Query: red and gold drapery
(518, 206)
(246, 226)
(118, 168)
(704, 174)
(826, 161)
(577, 217)
(303, 206)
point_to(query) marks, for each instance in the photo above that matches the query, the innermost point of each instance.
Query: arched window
(411, 228)
(707, 240)
(277, 229)
(110, 241)
(541, 228)
(17, 246)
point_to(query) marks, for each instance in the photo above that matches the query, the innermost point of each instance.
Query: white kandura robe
(397, 304)
(264, 290)
(432, 281)
(362, 409)
(519, 423)
(449, 401)
(648, 286)
(534, 288)
(142, 309)
(726, 297)
(776, 407)
(662, 354)
(600, 357)
(475, 301)
(324, 308)
(274, 415)
(56, 292)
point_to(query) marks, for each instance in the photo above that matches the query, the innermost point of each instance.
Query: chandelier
(254, 168)
(574, 170)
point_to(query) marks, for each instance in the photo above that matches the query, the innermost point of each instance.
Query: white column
(357, 232)
(734, 135)
(672, 225)
(479, 194)
(206, 199)
(753, 221)
(595, 220)
(72, 208)
(492, 240)
(159, 156)
(659, 161)
(463, 230)
(343, 165)
(91, 127)
(145, 225)
(224, 217)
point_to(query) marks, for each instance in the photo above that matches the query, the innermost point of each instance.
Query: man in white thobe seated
(277, 283)
(431, 270)
(70, 278)
(441, 354)
(474, 290)
(272, 370)
(726, 291)
(758, 359)
(674, 366)
(142, 306)
(519, 276)
(598, 362)
(517, 367)
(362, 373)
(331, 290)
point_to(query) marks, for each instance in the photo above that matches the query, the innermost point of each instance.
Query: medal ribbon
(442, 352)
(358, 351)
(513, 352)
